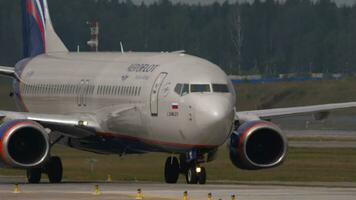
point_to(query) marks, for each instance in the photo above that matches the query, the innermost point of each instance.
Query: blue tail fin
(39, 36)
(34, 26)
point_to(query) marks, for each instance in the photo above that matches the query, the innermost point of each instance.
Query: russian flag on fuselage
(34, 28)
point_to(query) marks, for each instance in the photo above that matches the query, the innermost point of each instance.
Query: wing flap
(283, 112)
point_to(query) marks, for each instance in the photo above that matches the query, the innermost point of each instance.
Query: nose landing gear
(193, 172)
(195, 175)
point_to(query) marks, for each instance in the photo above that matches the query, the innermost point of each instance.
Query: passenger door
(155, 92)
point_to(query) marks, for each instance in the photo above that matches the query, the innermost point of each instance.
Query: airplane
(129, 103)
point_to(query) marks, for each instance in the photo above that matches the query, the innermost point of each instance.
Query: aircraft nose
(215, 118)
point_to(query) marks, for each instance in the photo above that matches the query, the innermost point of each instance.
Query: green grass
(302, 164)
(284, 94)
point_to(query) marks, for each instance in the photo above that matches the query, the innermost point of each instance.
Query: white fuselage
(132, 95)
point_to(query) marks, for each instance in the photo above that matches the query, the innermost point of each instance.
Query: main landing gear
(53, 168)
(193, 172)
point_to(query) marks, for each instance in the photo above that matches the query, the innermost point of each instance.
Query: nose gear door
(155, 92)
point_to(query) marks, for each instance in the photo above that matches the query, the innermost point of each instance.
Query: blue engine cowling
(23, 144)
(257, 145)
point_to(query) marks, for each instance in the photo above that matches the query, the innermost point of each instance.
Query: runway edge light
(96, 190)
(210, 196)
(16, 189)
(185, 195)
(109, 178)
(139, 195)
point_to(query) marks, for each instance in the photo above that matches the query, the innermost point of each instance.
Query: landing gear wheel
(202, 176)
(191, 175)
(54, 170)
(171, 172)
(34, 175)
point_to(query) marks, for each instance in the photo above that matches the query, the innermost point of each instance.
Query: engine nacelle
(258, 145)
(23, 144)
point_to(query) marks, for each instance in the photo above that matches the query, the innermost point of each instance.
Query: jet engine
(23, 144)
(257, 145)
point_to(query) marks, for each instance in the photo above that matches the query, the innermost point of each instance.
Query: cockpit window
(199, 88)
(185, 90)
(221, 88)
(178, 88)
(182, 89)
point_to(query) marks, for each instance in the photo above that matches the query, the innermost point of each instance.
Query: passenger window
(200, 88)
(221, 88)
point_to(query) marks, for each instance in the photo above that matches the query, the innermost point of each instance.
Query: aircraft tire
(33, 175)
(202, 176)
(54, 169)
(171, 172)
(191, 175)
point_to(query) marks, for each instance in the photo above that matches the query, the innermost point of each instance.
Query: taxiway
(128, 191)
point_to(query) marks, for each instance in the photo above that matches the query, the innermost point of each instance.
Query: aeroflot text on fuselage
(142, 67)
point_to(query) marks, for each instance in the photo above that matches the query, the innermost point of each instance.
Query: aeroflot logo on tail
(142, 67)
(35, 8)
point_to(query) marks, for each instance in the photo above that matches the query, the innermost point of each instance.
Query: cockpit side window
(178, 88)
(182, 89)
(199, 88)
(185, 89)
(220, 88)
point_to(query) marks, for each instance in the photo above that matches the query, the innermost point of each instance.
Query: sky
(339, 2)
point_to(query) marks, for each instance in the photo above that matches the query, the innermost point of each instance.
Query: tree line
(267, 37)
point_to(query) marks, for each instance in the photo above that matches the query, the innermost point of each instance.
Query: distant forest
(267, 37)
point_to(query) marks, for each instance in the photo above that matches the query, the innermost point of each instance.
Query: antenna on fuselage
(122, 48)
(179, 51)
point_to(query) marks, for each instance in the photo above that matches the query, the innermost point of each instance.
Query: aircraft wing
(73, 126)
(283, 112)
(7, 71)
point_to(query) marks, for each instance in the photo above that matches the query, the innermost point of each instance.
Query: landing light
(83, 123)
(198, 169)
